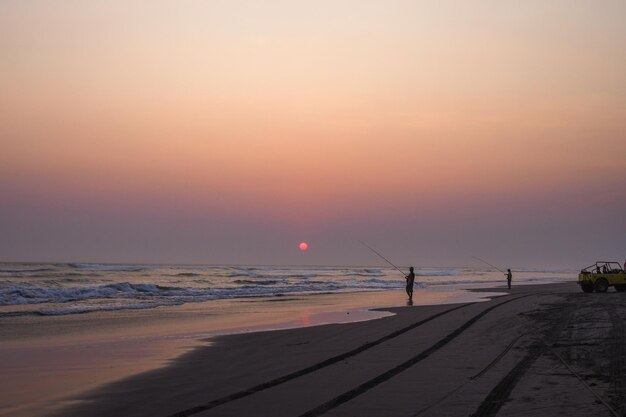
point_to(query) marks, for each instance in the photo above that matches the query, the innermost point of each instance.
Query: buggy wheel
(587, 287)
(601, 285)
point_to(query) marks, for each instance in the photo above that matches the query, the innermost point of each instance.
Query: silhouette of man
(509, 277)
(410, 279)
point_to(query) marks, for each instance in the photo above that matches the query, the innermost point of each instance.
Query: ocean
(74, 288)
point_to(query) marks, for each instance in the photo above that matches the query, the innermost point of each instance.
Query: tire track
(579, 377)
(582, 381)
(368, 385)
(472, 378)
(496, 398)
(494, 401)
(497, 358)
(280, 380)
(617, 360)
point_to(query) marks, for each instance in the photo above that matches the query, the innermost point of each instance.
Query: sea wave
(545, 271)
(32, 294)
(365, 273)
(23, 271)
(256, 282)
(470, 281)
(265, 276)
(57, 289)
(12, 295)
(438, 273)
(501, 281)
(109, 267)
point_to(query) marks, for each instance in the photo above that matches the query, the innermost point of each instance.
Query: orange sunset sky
(230, 131)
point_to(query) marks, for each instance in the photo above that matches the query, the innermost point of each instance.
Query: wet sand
(47, 362)
(549, 350)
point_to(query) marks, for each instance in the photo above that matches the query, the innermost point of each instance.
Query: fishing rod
(493, 266)
(386, 260)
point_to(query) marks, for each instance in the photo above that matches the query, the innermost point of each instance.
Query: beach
(50, 355)
(546, 349)
(67, 329)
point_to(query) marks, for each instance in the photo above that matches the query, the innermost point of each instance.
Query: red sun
(304, 246)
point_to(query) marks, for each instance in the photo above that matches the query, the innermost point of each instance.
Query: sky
(227, 132)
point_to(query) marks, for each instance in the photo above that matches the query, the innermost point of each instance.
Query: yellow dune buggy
(602, 275)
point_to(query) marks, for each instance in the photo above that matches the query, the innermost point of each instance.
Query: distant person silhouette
(509, 277)
(410, 279)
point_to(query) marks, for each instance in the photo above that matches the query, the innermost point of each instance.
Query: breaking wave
(23, 271)
(109, 267)
(157, 294)
(438, 272)
(59, 289)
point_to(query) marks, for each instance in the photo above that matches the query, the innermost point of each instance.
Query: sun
(303, 246)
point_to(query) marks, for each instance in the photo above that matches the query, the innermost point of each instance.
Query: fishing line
(493, 266)
(386, 260)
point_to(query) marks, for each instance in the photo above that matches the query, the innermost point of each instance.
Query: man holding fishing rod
(508, 274)
(410, 280)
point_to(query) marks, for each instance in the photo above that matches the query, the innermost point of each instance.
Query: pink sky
(229, 131)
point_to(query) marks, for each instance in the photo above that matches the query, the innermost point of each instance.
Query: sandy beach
(547, 350)
(49, 361)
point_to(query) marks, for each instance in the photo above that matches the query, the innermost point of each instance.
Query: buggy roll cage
(611, 268)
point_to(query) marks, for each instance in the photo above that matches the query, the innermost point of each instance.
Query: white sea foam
(86, 287)
(19, 294)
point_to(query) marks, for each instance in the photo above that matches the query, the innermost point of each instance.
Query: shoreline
(78, 353)
(323, 368)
